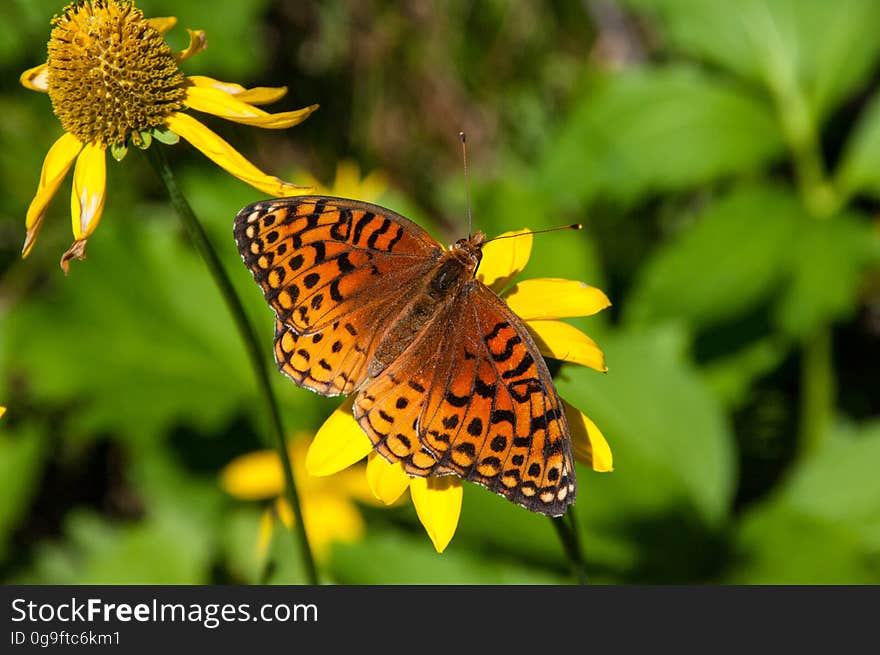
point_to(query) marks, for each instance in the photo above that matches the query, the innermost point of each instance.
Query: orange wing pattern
(459, 388)
(472, 396)
(337, 273)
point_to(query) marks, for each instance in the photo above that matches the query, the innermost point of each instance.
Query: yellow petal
(387, 481)
(254, 476)
(348, 175)
(437, 500)
(348, 483)
(89, 190)
(264, 533)
(2, 411)
(162, 23)
(227, 157)
(348, 183)
(55, 166)
(588, 443)
(219, 103)
(198, 41)
(548, 298)
(330, 519)
(36, 78)
(565, 342)
(285, 512)
(373, 185)
(339, 443)
(260, 95)
(503, 259)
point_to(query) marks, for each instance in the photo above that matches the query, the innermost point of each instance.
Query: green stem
(799, 127)
(817, 390)
(248, 335)
(822, 202)
(571, 544)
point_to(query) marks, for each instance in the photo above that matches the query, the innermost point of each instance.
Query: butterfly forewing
(318, 259)
(337, 272)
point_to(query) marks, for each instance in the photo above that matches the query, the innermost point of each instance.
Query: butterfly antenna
(573, 226)
(467, 183)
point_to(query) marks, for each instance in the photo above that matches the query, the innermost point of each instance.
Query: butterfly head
(470, 251)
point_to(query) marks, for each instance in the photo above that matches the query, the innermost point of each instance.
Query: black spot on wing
(374, 237)
(509, 347)
(361, 223)
(524, 365)
(484, 390)
(501, 325)
(456, 401)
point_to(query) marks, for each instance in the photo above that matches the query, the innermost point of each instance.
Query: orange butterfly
(447, 377)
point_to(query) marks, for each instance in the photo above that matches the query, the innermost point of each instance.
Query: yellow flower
(329, 513)
(2, 411)
(349, 183)
(113, 82)
(340, 442)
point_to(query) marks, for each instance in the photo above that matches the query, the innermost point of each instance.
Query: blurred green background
(724, 158)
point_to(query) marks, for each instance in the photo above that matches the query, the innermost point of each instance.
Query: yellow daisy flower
(113, 82)
(340, 442)
(328, 507)
(348, 183)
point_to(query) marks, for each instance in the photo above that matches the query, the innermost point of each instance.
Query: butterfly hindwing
(473, 397)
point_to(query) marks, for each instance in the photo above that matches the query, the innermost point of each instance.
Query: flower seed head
(110, 74)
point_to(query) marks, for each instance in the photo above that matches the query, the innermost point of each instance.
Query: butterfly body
(454, 269)
(448, 380)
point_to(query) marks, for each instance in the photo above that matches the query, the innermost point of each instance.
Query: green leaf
(669, 437)
(860, 166)
(391, 557)
(158, 475)
(732, 257)
(163, 135)
(829, 260)
(171, 544)
(781, 546)
(136, 333)
(747, 246)
(488, 520)
(653, 130)
(822, 51)
(285, 562)
(508, 204)
(840, 484)
(24, 30)
(239, 533)
(138, 338)
(118, 151)
(237, 47)
(823, 525)
(21, 463)
(731, 375)
(165, 548)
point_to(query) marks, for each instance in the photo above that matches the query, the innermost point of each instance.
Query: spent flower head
(540, 302)
(114, 83)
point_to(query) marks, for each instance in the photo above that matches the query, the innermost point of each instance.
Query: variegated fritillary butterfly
(447, 377)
